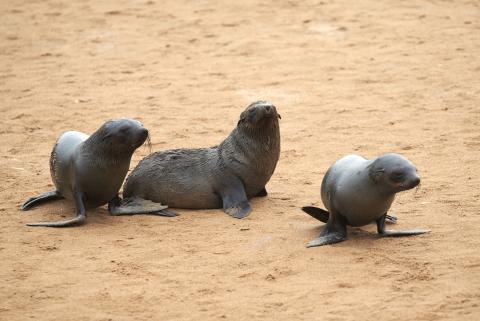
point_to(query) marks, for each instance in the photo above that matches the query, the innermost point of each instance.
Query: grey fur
(225, 176)
(91, 170)
(357, 191)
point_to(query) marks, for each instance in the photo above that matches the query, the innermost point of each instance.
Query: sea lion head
(258, 115)
(394, 171)
(123, 135)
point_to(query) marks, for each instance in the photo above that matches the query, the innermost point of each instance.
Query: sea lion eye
(397, 176)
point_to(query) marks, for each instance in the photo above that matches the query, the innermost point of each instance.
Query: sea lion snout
(415, 181)
(129, 133)
(263, 110)
(410, 182)
(259, 112)
(140, 135)
(270, 111)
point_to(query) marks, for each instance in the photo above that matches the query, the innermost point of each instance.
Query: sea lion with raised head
(90, 171)
(357, 191)
(225, 176)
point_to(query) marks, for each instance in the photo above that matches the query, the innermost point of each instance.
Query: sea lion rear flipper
(334, 232)
(137, 205)
(331, 238)
(262, 193)
(47, 196)
(79, 219)
(235, 201)
(317, 213)
(383, 232)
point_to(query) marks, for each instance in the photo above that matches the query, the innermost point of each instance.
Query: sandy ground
(364, 77)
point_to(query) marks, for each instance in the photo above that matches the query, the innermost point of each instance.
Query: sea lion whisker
(418, 187)
(148, 143)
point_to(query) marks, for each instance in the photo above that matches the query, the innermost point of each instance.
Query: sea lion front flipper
(137, 205)
(44, 197)
(235, 201)
(262, 193)
(240, 210)
(383, 232)
(77, 220)
(317, 213)
(334, 232)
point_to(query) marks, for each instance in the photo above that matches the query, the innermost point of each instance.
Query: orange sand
(364, 77)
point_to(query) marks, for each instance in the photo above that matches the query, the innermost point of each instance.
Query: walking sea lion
(91, 170)
(227, 175)
(357, 191)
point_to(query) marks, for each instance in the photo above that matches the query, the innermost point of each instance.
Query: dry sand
(364, 77)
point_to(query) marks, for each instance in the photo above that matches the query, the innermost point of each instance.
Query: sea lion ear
(375, 174)
(280, 117)
(106, 136)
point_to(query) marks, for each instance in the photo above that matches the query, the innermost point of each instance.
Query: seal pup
(91, 170)
(357, 191)
(225, 176)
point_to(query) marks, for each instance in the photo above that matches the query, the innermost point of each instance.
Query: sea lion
(225, 176)
(357, 191)
(91, 170)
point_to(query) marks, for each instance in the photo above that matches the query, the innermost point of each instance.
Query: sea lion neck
(98, 144)
(255, 151)
(270, 128)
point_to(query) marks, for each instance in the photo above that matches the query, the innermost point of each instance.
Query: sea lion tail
(317, 213)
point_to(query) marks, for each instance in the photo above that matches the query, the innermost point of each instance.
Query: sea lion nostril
(268, 108)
